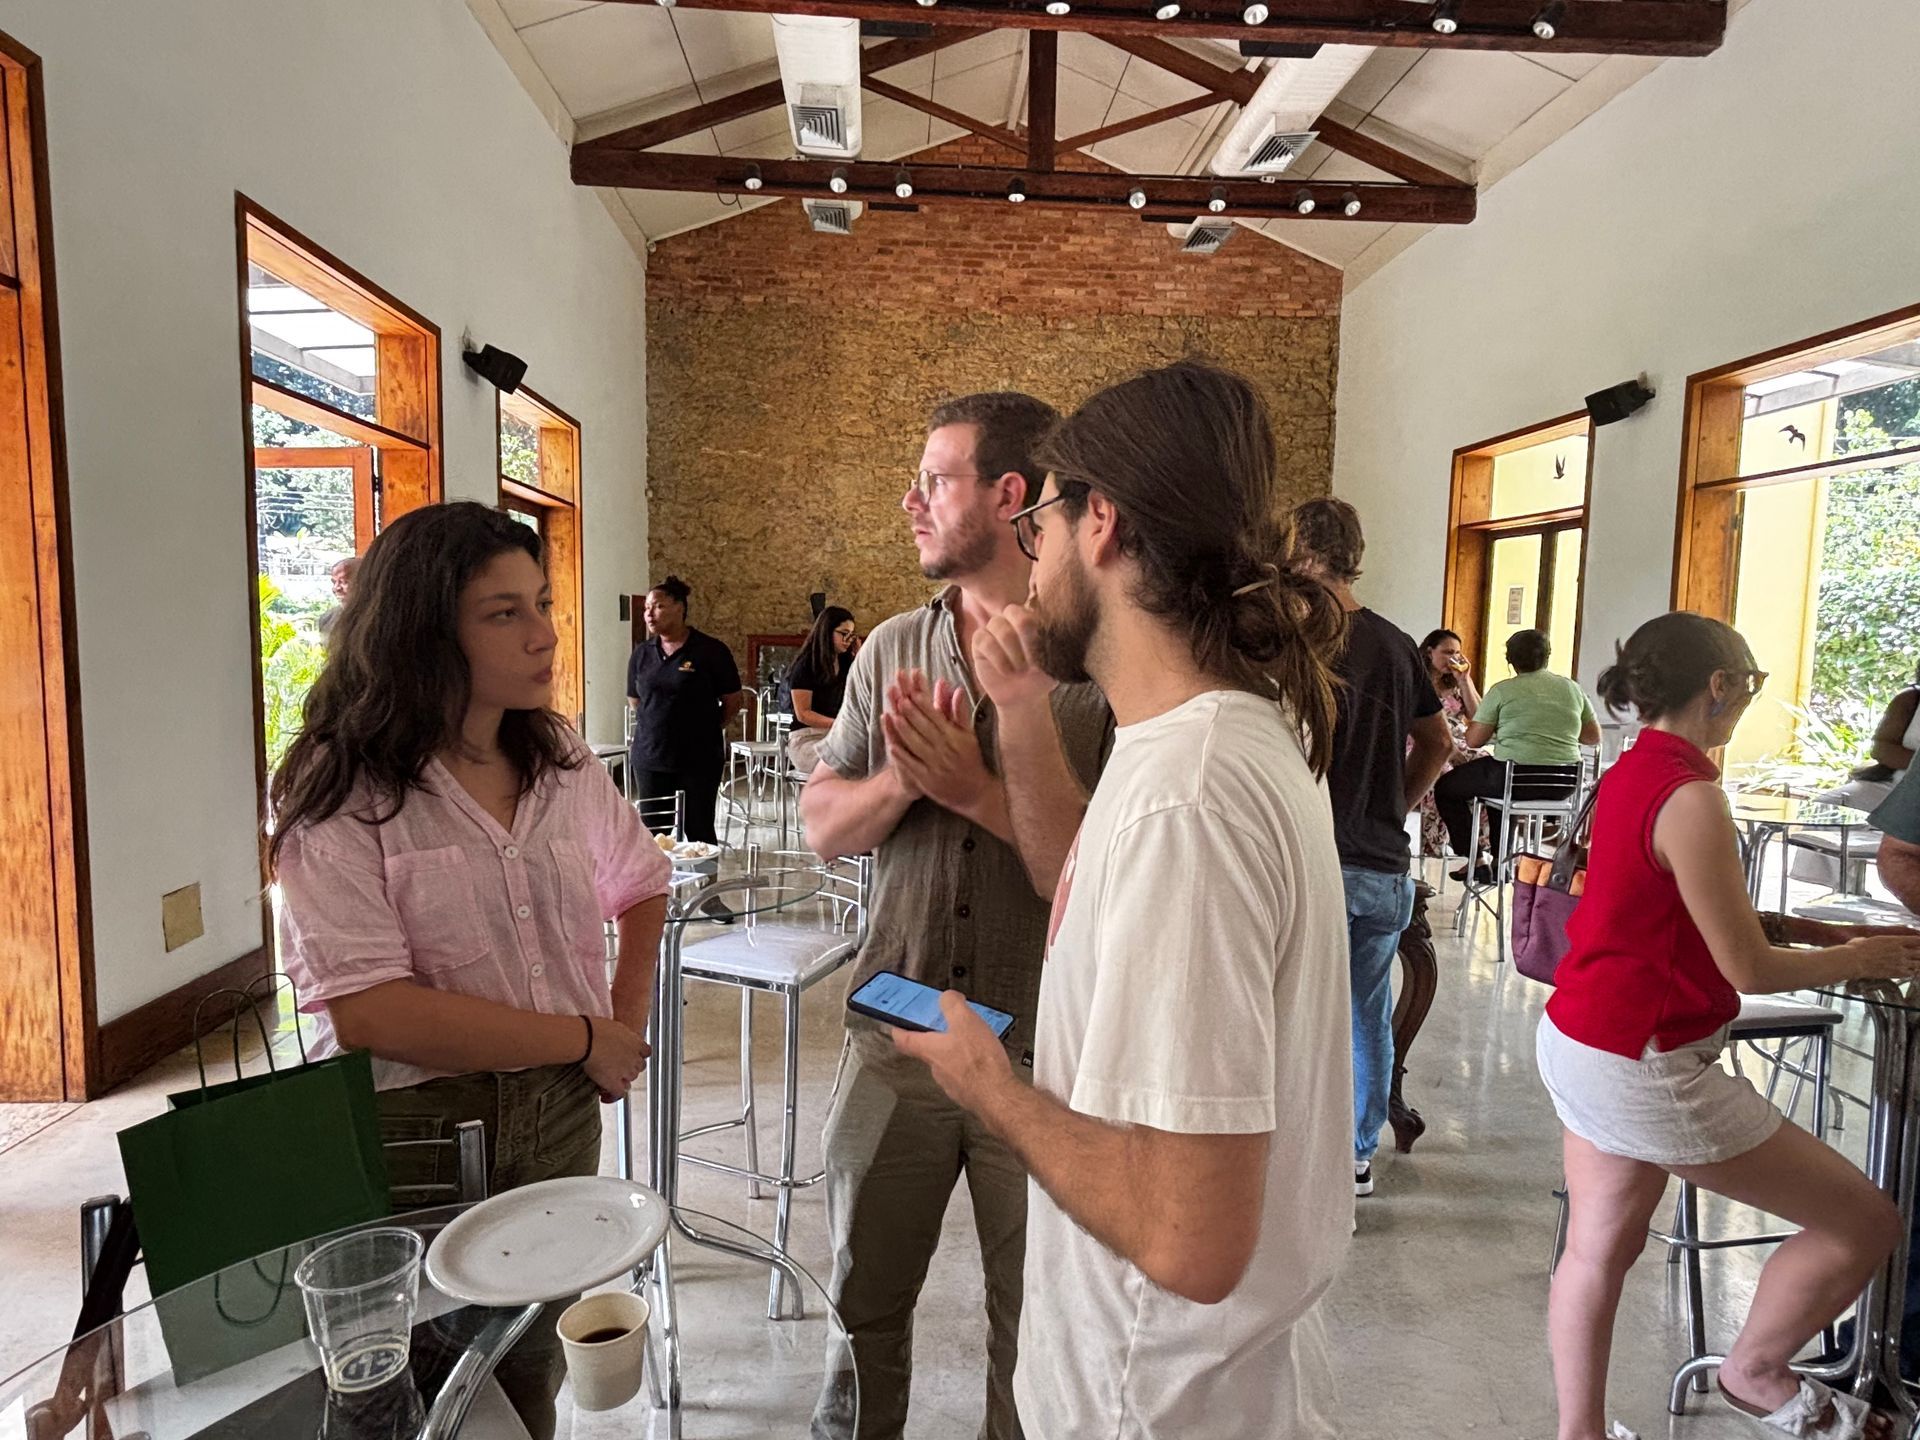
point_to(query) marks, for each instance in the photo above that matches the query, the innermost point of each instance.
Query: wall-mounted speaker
(498, 368)
(1617, 402)
(626, 609)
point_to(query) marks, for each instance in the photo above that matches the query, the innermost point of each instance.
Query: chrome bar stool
(784, 957)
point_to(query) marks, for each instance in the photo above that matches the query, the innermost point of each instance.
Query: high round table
(239, 1335)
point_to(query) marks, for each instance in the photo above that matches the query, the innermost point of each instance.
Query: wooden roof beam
(987, 185)
(756, 98)
(1595, 27)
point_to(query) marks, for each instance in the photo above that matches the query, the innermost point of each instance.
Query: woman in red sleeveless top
(1664, 943)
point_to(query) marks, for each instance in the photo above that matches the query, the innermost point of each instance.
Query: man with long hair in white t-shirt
(1187, 1130)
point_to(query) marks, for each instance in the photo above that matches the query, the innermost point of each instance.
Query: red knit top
(1638, 969)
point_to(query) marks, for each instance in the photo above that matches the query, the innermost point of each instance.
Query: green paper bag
(242, 1170)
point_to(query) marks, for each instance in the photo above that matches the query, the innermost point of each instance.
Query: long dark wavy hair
(818, 652)
(396, 684)
(1187, 456)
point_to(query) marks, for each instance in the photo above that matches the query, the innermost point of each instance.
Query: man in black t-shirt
(684, 689)
(1375, 782)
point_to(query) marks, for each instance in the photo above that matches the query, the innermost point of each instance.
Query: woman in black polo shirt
(685, 690)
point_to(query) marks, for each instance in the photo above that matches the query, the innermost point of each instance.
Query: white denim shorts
(1674, 1107)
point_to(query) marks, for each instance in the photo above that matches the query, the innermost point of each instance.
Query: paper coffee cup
(605, 1340)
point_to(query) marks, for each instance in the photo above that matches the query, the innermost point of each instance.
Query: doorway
(342, 395)
(49, 1041)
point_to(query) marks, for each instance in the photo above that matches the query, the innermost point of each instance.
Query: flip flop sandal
(1816, 1412)
(1617, 1431)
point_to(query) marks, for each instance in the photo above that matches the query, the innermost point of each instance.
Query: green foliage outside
(519, 450)
(1867, 622)
(290, 661)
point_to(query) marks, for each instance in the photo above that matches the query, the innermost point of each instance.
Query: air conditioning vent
(820, 127)
(830, 217)
(1207, 236)
(1279, 150)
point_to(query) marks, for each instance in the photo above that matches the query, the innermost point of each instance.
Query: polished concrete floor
(1438, 1320)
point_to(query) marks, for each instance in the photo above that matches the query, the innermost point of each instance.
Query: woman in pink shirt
(448, 852)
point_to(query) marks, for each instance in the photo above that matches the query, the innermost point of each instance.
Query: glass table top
(228, 1358)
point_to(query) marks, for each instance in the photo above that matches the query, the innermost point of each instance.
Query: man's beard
(966, 551)
(1064, 626)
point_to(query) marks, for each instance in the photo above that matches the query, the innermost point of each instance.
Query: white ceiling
(605, 66)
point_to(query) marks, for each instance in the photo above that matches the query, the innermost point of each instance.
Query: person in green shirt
(1535, 718)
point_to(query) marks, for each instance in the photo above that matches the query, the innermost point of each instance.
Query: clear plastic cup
(360, 1292)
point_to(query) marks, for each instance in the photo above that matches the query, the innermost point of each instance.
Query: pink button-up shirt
(443, 896)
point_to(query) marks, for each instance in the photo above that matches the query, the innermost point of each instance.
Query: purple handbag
(1545, 892)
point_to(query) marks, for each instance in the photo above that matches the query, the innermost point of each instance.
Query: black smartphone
(893, 999)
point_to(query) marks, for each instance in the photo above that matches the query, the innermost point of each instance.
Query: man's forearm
(1087, 1166)
(850, 817)
(1044, 801)
(1424, 767)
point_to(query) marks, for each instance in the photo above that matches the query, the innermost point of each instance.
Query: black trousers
(1486, 778)
(1455, 792)
(703, 794)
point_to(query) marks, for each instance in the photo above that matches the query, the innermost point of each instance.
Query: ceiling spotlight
(1302, 202)
(1255, 14)
(837, 182)
(1217, 201)
(1349, 204)
(1167, 11)
(1445, 20)
(929, 3)
(903, 185)
(1058, 7)
(753, 180)
(1016, 190)
(1547, 23)
(1137, 198)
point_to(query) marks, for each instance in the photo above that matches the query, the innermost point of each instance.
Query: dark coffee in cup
(604, 1334)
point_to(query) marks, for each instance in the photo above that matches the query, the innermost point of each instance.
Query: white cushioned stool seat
(794, 955)
(1776, 1012)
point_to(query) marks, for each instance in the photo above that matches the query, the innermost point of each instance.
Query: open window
(540, 486)
(1800, 526)
(1517, 527)
(342, 394)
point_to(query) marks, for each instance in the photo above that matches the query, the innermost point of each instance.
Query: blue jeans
(1379, 907)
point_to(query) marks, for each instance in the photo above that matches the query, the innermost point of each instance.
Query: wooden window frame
(1706, 540)
(1471, 532)
(49, 1033)
(558, 501)
(405, 431)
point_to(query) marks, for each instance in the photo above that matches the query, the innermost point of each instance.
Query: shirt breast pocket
(432, 891)
(581, 922)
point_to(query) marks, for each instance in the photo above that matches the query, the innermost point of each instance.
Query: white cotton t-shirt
(1196, 982)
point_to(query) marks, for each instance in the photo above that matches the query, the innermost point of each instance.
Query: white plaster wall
(1721, 207)
(392, 133)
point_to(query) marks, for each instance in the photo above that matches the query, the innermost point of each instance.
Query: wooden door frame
(1470, 534)
(416, 441)
(78, 1069)
(560, 500)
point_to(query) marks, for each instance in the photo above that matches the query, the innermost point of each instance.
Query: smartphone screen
(897, 1000)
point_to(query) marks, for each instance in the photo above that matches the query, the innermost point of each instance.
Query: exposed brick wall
(789, 374)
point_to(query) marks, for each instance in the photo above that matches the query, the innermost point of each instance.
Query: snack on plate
(665, 842)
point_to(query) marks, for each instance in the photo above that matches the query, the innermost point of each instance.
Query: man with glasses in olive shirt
(911, 771)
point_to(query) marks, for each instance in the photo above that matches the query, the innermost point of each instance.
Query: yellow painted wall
(1780, 542)
(1516, 564)
(1524, 483)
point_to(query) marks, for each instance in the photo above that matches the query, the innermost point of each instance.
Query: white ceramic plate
(695, 850)
(546, 1240)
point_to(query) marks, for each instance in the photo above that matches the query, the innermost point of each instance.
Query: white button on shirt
(523, 911)
(512, 852)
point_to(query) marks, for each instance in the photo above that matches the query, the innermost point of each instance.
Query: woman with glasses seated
(817, 683)
(1535, 718)
(1662, 946)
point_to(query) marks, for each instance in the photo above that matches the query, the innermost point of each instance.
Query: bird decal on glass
(1795, 435)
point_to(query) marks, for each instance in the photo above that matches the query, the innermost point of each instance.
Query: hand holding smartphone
(893, 999)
